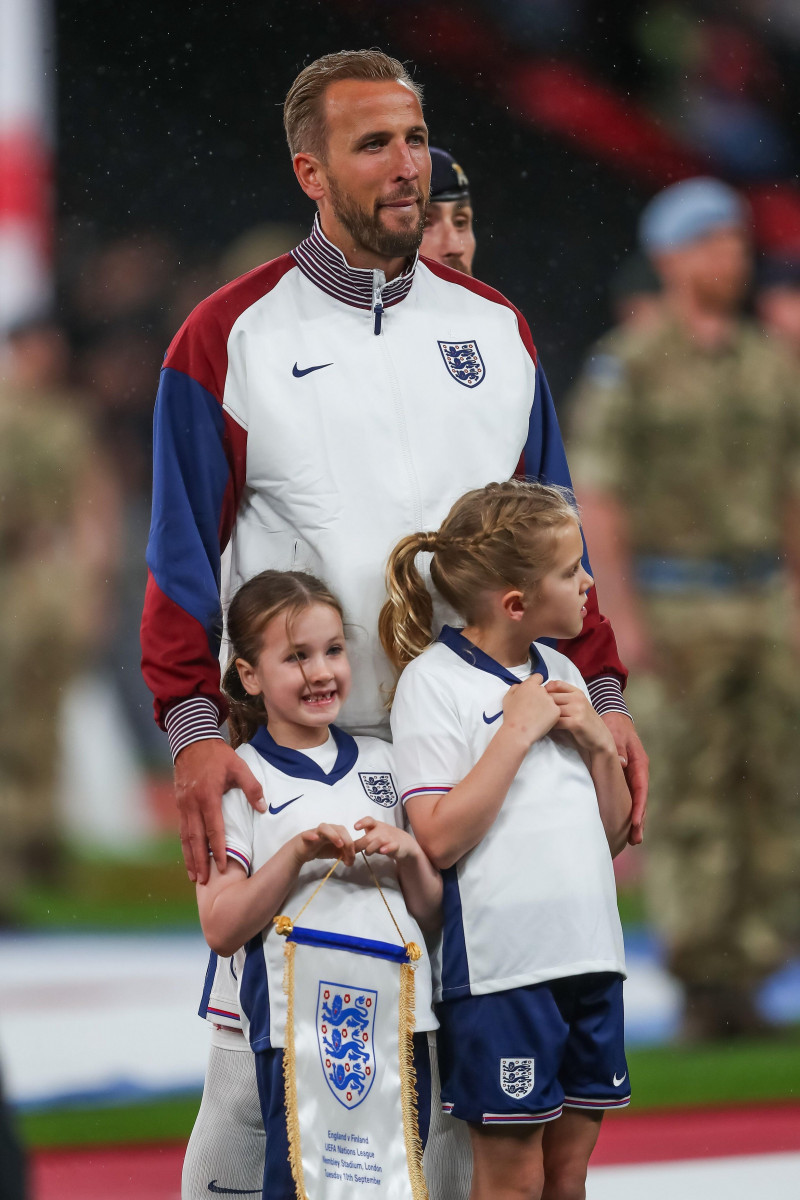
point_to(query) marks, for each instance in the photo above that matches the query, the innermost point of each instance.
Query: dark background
(170, 119)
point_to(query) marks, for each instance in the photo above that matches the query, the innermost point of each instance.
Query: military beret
(689, 210)
(448, 181)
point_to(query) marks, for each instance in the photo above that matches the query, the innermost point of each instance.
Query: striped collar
(326, 266)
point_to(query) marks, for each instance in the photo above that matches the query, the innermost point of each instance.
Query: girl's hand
(381, 838)
(528, 711)
(326, 841)
(577, 717)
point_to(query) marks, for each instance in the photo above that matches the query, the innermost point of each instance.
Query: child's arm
(233, 908)
(448, 826)
(420, 882)
(599, 752)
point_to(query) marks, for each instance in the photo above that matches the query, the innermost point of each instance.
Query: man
(314, 411)
(686, 450)
(448, 237)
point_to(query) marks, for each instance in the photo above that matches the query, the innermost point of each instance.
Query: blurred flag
(26, 126)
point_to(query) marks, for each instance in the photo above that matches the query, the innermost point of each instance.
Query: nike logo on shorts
(299, 372)
(621, 1079)
(281, 807)
(496, 717)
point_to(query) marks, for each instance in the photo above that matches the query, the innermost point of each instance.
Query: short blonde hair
(303, 113)
(498, 536)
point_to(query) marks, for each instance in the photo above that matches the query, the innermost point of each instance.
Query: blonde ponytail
(405, 624)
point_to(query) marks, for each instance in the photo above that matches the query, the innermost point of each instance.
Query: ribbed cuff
(606, 694)
(194, 720)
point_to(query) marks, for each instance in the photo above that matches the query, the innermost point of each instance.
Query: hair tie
(430, 541)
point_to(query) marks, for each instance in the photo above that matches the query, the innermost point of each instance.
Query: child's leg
(566, 1148)
(507, 1162)
(226, 1148)
(278, 1182)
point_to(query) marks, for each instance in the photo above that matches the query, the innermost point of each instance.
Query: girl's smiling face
(303, 674)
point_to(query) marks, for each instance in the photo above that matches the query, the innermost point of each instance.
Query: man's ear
(513, 605)
(248, 677)
(310, 174)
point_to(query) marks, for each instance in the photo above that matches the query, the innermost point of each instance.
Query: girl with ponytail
(514, 789)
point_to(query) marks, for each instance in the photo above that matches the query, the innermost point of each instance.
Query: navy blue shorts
(278, 1182)
(520, 1056)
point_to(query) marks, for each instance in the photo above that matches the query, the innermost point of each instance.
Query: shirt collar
(326, 266)
(299, 765)
(463, 647)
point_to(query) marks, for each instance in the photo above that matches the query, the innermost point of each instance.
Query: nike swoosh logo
(622, 1079)
(496, 717)
(281, 807)
(299, 373)
(223, 1191)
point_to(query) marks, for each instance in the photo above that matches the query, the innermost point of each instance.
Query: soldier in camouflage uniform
(685, 451)
(45, 609)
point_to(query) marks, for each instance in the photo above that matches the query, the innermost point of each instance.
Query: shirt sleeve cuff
(606, 695)
(194, 720)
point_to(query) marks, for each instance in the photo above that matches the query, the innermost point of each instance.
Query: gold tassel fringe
(289, 1077)
(408, 1084)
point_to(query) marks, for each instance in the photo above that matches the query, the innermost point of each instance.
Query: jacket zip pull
(378, 284)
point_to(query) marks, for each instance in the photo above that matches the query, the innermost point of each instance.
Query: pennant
(351, 1108)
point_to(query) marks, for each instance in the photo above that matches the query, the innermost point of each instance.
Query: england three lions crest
(379, 786)
(516, 1077)
(463, 361)
(345, 1026)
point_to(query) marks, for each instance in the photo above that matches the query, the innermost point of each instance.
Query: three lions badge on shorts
(516, 1077)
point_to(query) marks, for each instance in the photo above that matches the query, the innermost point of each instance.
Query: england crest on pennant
(463, 361)
(516, 1077)
(379, 786)
(345, 1026)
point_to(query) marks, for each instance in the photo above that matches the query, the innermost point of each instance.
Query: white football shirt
(535, 899)
(301, 793)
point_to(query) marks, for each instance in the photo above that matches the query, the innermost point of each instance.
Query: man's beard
(366, 229)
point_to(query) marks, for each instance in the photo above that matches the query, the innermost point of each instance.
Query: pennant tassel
(290, 1077)
(408, 1084)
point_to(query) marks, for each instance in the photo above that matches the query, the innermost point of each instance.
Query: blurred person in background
(778, 300)
(12, 1159)
(685, 450)
(53, 510)
(448, 237)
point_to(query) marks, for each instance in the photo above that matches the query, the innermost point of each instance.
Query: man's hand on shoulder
(203, 772)
(636, 766)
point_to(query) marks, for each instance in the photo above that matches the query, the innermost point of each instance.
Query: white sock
(448, 1154)
(226, 1149)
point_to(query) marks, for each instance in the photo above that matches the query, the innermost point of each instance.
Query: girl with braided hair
(514, 789)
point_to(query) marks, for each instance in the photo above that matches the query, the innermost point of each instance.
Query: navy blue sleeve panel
(198, 454)
(594, 650)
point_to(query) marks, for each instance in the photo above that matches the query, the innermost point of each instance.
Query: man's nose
(406, 164)
(451, 239)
